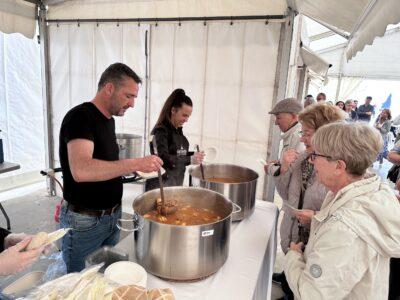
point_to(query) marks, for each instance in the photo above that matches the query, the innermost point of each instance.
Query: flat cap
(288, 105)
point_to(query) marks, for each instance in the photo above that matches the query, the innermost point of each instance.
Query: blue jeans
(88, 234)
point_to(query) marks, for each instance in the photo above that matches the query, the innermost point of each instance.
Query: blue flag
(387, 103)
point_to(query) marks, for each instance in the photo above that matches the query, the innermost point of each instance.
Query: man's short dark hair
(116, 73)
(369, 98)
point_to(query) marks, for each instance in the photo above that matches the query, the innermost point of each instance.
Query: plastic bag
(56, 269)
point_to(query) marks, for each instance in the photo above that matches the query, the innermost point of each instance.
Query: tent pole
(46, 94)
(146, 88)
(342, 60)
(281, 76)
(300, 88)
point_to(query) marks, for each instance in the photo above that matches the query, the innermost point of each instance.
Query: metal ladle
(164, 207)
(201, 164)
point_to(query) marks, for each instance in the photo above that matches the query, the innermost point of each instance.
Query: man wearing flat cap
(286, 112)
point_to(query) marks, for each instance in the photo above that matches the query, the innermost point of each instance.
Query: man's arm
(85, 168)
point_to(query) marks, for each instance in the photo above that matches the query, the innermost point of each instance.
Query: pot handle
(236, 208)
(134, 220)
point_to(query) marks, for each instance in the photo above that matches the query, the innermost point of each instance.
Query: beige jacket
(288, 187)
(290, 140)
(352, 239)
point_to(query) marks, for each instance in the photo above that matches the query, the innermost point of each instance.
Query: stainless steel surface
(243, 193)
(130, 145)
(106, 255)
(182, 252)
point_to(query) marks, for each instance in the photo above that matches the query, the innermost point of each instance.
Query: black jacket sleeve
(3, 234)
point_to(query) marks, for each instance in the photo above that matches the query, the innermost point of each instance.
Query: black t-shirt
(85, 121)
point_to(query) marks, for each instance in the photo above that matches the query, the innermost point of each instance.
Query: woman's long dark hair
(175, 100)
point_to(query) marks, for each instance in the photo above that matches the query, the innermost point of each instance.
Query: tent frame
(286, 33)
(280, 90)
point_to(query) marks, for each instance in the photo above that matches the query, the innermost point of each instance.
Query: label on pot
(207, 233)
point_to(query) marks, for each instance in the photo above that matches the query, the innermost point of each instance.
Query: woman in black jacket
(172, 145)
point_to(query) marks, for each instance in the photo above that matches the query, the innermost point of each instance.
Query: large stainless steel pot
(130, 145)
(183, 252)
(242, 193)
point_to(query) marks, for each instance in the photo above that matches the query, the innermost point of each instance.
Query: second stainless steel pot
(183, 252)
(243, 193)
(130, 145)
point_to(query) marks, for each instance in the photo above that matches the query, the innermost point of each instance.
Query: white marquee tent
(234, 58)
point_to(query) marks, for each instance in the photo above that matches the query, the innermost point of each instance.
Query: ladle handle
(159, 173)
(201, 164)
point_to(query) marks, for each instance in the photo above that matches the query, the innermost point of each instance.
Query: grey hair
(356, 144)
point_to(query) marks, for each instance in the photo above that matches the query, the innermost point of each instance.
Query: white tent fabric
(101, 9)
(314, 62)
(378, 61)
(348, 86)
(361, 20)
(21, 108)
(227, 70)
(79, 54)
(18, 16)
(374, 24)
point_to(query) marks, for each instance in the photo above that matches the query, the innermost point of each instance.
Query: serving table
(247, 273)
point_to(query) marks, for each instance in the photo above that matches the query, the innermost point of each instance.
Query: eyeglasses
(305, 134)
(314, 155)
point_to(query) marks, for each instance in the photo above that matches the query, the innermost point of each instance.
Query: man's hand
(148, 164)
(297, 247)
(288, 158)
(14, 259)
(304, 216)
(271, 162)
(368, 113)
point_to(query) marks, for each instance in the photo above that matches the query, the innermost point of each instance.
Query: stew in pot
(184, 216)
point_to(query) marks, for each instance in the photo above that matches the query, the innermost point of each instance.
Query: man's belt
(91, 212)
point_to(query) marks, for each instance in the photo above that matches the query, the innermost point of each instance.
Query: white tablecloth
(248, 270)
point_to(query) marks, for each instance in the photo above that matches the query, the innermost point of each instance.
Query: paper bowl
(211, 154)
(127, 273)
(150, 175)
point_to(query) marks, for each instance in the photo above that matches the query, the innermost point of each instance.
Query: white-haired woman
(356, 231)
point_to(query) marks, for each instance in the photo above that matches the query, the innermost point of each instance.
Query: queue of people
(339, 231)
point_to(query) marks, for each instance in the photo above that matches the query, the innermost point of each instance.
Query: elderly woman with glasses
(357, 228)
(295, 181)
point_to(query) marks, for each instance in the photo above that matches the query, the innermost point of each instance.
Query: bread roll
(128, 292)
(161, 294)
(37, 241)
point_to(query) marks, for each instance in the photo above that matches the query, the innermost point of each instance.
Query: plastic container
(107, 255)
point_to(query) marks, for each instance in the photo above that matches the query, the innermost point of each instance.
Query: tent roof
(314, 62)
(378, 61)
(359, 21)
(18, 16)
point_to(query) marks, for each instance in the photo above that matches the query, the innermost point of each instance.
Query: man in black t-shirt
(91, 168)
